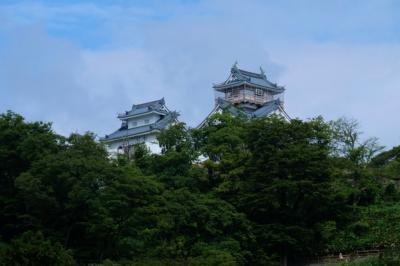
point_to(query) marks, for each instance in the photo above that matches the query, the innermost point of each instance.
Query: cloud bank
(78, 64)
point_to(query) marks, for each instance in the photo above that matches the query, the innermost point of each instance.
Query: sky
(79, 63)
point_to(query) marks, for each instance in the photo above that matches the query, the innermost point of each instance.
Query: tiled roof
(123, 133)
(240, 76)
(229, 107)
(156, 106)
(264, 110)
(147, 104)
(162, 123)
(267, 108)
(247, 113)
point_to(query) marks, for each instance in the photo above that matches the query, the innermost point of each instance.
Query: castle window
(259, 92)
(235, 92)
(146, 121)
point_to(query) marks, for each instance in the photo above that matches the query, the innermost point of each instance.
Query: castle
(140, 125)
(243, 93)
(249, 94)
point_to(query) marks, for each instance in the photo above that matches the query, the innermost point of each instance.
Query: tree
(386, 157)
(222, 144)
(278, 173)
(191, 225)
(285, 189)
(21, 145)
(174, 165)
(261, 189)
(60, 191)
(347, 141)
(34, 249)
(124, 220)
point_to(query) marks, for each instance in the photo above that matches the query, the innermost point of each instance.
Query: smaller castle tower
(140, 125)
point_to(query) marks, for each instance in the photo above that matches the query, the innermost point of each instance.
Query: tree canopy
(234, 192)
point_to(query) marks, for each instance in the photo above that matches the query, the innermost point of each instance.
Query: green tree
(33, 249)
(285, 189)
(192, 224)
(60, 191)
(234, 192)
(21, 144)
(278, 173)
(222, 145)
(347, 141)
(125, 220)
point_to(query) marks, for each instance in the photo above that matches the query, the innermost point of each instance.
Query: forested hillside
(264, 192)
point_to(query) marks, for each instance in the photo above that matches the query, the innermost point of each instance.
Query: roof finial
(263, 73)
(235, 65)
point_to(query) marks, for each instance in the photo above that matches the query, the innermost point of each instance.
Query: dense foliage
(235, 192)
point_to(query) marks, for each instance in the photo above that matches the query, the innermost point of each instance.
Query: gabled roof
(153, 104)
(239, 77)
(142, 130)
(229, 107)
(265, 110)
(143, 108)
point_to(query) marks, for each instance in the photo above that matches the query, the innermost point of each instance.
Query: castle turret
(140, 125)
(249, 89)
(248, 93)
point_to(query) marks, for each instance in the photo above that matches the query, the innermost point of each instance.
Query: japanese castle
(243, 93)
(248, 94)
(140, 125)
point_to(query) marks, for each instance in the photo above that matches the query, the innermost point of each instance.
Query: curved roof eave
(108, 140)
(124, 116)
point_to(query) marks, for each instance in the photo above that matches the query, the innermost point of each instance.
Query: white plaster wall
(113, 145)
(150, 141)
(140, 121)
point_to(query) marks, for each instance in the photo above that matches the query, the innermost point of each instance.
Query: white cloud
(359, 81)
(38, 75)
(48, 78)
(64, 15)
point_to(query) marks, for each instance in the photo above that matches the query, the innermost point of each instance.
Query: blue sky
(78, 63)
